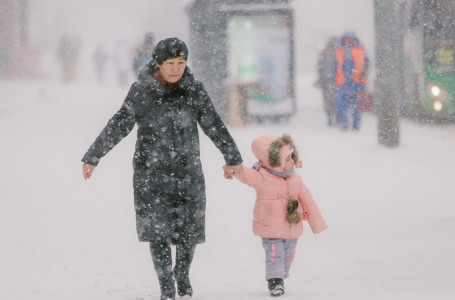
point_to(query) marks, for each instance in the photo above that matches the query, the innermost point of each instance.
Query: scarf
(257, 165)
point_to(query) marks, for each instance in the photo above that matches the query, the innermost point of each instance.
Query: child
(282, 202)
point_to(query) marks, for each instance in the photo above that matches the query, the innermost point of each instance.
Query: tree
(388, 71)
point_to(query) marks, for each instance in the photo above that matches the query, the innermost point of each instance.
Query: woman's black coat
(169, 187)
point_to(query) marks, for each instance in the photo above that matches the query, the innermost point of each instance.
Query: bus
(428, 59)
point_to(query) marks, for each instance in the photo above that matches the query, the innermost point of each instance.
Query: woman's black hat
(170, 48)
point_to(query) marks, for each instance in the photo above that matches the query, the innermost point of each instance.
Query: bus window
(439, 35)
(443, 62)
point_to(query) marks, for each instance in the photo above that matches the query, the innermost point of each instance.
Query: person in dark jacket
(144, 53)
(325, 79)
(167, 103)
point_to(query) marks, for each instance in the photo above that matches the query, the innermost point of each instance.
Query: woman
(167, 103)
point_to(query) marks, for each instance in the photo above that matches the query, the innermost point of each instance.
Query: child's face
(289, 163)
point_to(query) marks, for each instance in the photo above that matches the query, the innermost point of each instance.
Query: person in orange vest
(351, 65)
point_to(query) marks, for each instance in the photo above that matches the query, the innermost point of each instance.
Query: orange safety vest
(359, 58)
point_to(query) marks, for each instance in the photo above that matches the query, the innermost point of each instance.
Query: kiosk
(244, 54)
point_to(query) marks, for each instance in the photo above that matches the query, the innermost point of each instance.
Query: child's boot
(276, 287)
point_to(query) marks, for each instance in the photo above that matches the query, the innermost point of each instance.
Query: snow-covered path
(390, 212)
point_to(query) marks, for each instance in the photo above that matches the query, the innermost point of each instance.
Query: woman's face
(172, 69)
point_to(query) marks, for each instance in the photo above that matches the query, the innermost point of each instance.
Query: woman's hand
(87, 170)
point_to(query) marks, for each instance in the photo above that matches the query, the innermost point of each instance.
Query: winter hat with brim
(170, 48)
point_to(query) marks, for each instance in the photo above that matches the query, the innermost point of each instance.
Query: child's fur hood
(267, 150)
(274, 150)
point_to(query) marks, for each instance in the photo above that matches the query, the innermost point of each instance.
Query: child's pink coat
(269, 217)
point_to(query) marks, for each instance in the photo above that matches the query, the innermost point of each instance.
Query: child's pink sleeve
(311, 211)
(250, 177)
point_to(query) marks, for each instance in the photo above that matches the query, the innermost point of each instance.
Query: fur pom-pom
(293, 216)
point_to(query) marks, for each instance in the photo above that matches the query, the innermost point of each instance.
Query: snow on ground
(390, 212)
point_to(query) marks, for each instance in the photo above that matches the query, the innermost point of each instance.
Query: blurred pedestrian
(68, 55)
(351, 66)
(283, 202)
(122, 59)
(144, 53)
(325, 79)
(100, 58)
(167, 103)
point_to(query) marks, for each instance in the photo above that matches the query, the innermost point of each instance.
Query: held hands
(87, 170)
(230, 171)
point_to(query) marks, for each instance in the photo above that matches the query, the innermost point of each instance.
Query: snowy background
(107, 21)
(390, 212)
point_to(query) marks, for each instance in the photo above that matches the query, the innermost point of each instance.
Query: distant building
(14, 30)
